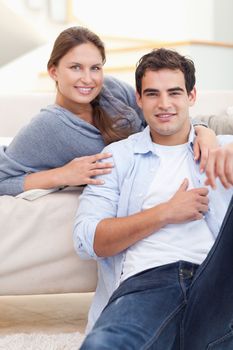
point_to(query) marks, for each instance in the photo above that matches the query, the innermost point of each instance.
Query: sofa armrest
(36, 251)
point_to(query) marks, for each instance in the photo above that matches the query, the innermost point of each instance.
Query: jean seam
(161, 328)
(182, 334)
(209, 256)
(183, 288)
(220, 340)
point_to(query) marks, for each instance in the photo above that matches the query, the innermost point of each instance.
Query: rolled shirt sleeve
(97, 202)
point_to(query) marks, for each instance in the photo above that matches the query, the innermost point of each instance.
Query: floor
(63, 313)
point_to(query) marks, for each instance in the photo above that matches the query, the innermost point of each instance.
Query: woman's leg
(145, 311)
(208, 318)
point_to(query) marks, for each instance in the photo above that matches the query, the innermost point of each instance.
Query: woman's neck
(83, 111)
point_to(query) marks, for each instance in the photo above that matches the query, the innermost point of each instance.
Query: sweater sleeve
(124, 93)
(33, 149)
(11, 174)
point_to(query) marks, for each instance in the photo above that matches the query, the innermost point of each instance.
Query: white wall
(167, 20)
(223, 21)
(17, 35)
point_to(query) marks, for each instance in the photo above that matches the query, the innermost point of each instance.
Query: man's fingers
(202, 191)
(184, 185)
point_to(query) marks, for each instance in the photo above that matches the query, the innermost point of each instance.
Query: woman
(61, 145)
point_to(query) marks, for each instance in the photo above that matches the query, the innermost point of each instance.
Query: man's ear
(192, 96)
(53, 72)
(138, 100)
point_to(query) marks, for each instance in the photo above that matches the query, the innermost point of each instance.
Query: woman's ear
(53, 72)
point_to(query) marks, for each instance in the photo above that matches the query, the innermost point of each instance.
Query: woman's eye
(96, 68)
(75, 67)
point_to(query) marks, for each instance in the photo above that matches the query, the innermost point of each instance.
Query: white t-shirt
(189, 241)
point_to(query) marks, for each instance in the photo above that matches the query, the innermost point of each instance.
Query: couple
(157, 229)
(151, 222)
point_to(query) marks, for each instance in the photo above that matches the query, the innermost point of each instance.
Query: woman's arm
(79, 171)
(205, 141)
(50, 152)
(220, 164)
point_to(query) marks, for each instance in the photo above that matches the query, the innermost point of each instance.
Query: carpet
(41, 341)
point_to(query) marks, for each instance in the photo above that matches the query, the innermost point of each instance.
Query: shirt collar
(144, 143)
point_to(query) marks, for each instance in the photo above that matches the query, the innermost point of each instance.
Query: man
(153, 222)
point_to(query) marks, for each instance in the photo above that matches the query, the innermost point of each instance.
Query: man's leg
(145, 311)
(208, 318)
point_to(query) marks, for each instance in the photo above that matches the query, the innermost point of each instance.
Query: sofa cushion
(221, 124)
(36, 251)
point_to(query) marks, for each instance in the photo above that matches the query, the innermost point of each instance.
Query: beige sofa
(36, 250)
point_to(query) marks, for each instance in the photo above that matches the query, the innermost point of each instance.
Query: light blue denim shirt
(135, 164)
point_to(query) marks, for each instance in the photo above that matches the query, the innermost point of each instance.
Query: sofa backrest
(17, 110)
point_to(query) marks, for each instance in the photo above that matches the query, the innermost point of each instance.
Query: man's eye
(175, 93)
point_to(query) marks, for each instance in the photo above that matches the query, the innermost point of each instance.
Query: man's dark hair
(163, 58)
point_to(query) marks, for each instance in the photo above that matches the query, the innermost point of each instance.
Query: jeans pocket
(223, 343)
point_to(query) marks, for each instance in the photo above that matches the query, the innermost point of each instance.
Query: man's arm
(114, 235)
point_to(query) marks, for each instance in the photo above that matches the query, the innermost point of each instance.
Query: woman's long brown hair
(69, 38)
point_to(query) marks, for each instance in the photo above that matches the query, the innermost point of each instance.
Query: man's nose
(164, 102)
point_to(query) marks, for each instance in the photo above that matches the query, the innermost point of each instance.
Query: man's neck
(178, 138)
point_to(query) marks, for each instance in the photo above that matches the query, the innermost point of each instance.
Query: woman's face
(79, 75)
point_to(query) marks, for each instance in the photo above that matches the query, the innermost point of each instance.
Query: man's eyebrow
(177, 88)
(149, 90)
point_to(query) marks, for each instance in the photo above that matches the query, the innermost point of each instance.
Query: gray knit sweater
(56, 136)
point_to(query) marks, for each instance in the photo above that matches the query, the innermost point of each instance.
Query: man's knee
(98, 340)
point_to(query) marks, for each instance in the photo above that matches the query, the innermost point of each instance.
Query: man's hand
(220, 164)
(187, 205)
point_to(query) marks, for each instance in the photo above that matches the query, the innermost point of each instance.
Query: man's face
(165, 104)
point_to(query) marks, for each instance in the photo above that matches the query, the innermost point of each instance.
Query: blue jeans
(175, 306)
(208, 318)
(145, 311)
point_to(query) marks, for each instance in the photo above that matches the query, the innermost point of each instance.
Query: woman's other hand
(205, 141)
